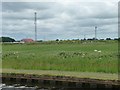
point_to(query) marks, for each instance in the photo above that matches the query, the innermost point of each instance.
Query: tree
(108, 39)
(57, 39)
(7, 39)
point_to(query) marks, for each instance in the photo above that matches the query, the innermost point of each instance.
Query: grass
(90, 75)
(78, 57)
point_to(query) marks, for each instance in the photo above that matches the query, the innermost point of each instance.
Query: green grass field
(78, 57)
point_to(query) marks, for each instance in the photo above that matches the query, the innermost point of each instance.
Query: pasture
(77, 56)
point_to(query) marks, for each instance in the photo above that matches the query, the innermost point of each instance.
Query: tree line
(6, 39)
(9, 39)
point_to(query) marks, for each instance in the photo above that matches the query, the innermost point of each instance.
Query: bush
(6, 39)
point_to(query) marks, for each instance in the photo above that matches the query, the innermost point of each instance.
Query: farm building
(27, 40)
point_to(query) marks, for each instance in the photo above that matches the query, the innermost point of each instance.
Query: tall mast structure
(95, 32)
(35, 26)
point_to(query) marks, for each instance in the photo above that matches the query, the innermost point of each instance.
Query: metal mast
(95, 32)
(84, 37)
(35, 26)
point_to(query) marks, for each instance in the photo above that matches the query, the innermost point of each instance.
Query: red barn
(27, 40)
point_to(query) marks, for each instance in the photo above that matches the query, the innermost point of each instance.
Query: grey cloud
(28, 13)
(20, 6)
(55, 20)
(92, 10)
(13, 6)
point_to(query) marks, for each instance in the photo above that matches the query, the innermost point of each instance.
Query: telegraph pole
(35, 26)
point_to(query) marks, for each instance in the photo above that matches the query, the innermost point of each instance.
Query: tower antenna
(35, 26)
(95, 32)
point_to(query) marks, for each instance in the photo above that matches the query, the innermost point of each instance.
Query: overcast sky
(60, 20)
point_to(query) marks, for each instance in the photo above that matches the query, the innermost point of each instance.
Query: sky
(60, 20)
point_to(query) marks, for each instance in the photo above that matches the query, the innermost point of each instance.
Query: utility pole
(95, 32)
(35, 26)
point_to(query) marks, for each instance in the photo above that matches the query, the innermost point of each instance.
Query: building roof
(27, 40)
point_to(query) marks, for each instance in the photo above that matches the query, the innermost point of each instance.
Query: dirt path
(103, 76)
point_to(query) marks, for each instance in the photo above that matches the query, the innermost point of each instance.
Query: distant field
(80, 57)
